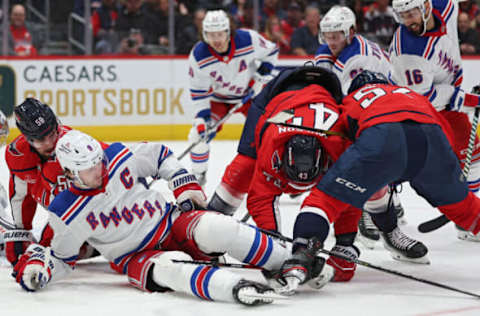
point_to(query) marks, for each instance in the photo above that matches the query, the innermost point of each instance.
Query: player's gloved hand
(202, 130)
(16, 242)
(187, 191)
(300, 267)
(34, 269)
(344, 270)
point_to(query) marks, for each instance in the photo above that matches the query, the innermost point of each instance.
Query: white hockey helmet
(400, 6)
(215, 21)
(77, 151)
(337, 19)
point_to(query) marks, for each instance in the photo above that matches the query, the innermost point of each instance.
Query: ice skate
(404, 248)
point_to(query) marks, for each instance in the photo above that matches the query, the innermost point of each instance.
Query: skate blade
(399, 257)
(467, 236)
(267, 296)
(366, 242)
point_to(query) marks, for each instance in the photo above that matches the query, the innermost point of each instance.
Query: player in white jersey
(346, 54)
(225, 67)
(140, 232)
(425, 57)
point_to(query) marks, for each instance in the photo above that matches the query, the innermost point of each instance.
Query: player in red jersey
(35, 175)
(397, 136)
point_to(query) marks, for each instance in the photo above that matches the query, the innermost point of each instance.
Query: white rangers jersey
(226, 78)
(429, 64)
(122, 219)
(361, 54)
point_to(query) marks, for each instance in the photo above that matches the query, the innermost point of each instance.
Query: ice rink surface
(93, 289)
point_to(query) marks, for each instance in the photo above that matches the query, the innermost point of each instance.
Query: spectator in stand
(133, 44)
(468, 37)
(247, 19)
(132, 17)
(293, 20)
(237, 9)
(22, 38)
(472, 9)
(103, 24)
(360, 9)
(305, 39)
(189, 35)
(273, 32)
(159, 16)
(271, 8)
(380, 23)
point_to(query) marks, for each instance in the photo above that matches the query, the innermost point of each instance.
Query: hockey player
(35, 175)
(346, 54)
(404, 141)
(225, 67)
(4, 131)
(425, 57)
(142, 233)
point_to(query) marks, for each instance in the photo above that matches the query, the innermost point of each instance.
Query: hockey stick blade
(375, 267)
(271, 295)
(433, 224)
(219, 264)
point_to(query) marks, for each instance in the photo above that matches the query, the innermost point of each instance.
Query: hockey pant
(461, 127)
(200, 153)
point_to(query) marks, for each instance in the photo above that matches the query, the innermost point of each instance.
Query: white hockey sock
(220, 233)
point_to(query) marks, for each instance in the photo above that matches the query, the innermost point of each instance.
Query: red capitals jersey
(313, 107)
(33, 179)
(372, 105)
(379, 103)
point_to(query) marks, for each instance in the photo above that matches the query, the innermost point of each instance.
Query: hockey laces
(368, 222)
(400, 240)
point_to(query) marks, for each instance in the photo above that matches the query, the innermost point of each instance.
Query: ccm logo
(350, 185)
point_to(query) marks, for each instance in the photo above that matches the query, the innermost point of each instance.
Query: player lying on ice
(140, 232)
(396, 135)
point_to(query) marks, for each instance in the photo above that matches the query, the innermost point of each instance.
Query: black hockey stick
(441, 220)
(219, 264)
(375, 267)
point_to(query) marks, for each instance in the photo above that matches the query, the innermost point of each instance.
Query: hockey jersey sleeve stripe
(457, 81)
(153, 238)
(447, 13)
(275, 51)
(165, 152)
(206, 60)
(75, 209)
(200, 280)
(23, 170)
(363, 45)
(118, 161)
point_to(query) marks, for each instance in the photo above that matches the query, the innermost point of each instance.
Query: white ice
(94, 289)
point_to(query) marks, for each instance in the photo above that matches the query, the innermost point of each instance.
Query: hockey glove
(34, 269)
(16, 241)
(202, 130)
(344, 269)
(187, 191)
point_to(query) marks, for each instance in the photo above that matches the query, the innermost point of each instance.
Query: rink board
(126, 99)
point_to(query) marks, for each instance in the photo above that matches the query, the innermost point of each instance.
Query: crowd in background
(140, 27)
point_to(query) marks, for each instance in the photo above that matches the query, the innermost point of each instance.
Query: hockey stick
(216, 125)
(375, 267)
(219, 264)
(442, 220)
(282, 117)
